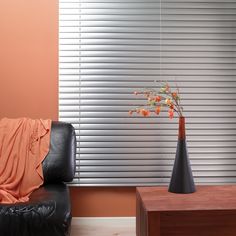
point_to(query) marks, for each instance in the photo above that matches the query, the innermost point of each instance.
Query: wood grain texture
(138, 214)
(153, 223)
(211, 211)
(141, 218)
(103, 226)
(203, 223)
(205, 198)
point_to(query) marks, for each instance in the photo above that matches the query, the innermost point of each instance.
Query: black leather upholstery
(48, 213)
(59, 164)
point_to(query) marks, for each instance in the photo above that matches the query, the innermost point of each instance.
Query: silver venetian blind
(110, 48)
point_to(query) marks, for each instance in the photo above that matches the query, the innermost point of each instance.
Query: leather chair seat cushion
(47, 213)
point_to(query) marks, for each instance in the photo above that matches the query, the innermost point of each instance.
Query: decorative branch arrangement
(162, 96)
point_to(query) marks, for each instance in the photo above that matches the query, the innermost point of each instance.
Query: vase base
(182, 191)
(182, 180)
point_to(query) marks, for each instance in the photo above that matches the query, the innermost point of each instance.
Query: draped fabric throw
(24, 143)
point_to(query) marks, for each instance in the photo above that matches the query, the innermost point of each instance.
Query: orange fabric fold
(24, 143)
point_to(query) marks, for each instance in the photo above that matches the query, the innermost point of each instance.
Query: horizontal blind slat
(109, 48)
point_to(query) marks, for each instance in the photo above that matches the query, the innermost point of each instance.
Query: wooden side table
(211, 211)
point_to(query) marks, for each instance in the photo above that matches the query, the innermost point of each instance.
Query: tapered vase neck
(182, 127)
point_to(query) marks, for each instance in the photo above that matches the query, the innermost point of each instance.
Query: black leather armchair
(48, 213)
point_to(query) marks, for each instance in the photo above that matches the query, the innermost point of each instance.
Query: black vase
(182, 178)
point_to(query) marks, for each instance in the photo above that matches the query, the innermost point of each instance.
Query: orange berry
(157, 98)
(171, 113)
(158, 110)
(145, 112)
(130, 113)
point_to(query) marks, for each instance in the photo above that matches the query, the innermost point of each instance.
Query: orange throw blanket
(24, 143)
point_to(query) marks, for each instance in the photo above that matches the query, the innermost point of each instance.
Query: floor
(103, 226)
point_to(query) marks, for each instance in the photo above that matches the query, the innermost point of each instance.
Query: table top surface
(205, 198)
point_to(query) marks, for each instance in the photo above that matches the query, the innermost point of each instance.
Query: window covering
(110, 48)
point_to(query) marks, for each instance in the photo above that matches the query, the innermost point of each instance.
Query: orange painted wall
(103, 202)
(29, 87)
(28, 58)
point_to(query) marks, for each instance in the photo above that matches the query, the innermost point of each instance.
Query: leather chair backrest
(59, 164)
